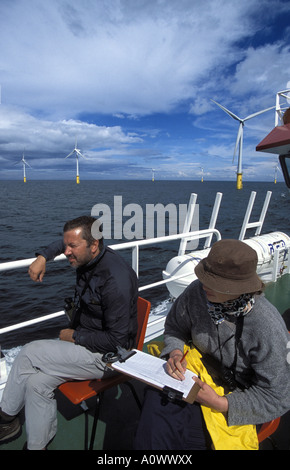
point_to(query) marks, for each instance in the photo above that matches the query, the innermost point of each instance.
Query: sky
(131, 82)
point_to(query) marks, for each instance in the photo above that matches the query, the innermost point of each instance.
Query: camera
(69, 308)
(229, 378)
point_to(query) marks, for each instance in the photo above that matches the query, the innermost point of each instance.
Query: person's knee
(40, 384)
(31, 349)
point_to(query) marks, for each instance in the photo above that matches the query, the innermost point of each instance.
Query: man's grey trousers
(37, 371)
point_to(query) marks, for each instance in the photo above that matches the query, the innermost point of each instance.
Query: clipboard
(151, 370)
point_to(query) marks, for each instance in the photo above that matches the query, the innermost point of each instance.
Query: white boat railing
(134, 246)
(259, 223)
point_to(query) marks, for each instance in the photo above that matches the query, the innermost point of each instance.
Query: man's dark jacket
(109, 304)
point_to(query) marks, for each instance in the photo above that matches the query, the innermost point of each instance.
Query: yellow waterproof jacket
(223, 437)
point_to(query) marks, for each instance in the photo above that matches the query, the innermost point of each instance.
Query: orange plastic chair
(268, 429)
(80, 391)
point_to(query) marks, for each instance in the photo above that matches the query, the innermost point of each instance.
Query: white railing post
(213, 219)
(259, 224)
(187, 223)
(135, 259)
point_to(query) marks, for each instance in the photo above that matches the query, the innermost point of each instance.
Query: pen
(183, 357)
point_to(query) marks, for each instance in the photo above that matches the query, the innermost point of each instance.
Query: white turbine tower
(201, 174)
(276, 173)
(153, 178)
(239, 141)
(24, 164)
(78, 154)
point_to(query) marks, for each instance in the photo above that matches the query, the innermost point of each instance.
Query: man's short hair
(91, 229)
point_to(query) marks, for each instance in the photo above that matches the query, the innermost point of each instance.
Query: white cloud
(132, 57)
(46, 143)
(267, 69)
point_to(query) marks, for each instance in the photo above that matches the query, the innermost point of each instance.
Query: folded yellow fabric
(223, 437)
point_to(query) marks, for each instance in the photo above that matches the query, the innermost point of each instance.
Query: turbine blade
(259, 112)
(80, 154)
(69, 154)
(25, 162)
(227, 111)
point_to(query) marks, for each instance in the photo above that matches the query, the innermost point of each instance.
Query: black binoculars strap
(77, 312)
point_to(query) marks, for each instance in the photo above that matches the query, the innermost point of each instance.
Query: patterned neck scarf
(232, 308)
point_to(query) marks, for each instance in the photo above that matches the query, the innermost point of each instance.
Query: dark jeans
(165, 425)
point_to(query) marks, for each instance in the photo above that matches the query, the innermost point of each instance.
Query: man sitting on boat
(104, 317)
(238, 340)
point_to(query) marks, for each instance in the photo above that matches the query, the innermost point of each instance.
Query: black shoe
(9, 429)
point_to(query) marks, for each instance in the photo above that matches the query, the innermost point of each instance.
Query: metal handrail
(133, 245)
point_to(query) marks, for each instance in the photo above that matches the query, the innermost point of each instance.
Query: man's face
(77, 250)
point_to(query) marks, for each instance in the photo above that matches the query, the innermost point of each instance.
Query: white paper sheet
(151, 369)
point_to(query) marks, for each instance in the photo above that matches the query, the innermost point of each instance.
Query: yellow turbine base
(239, 181)
(78, 180)
(24, 179)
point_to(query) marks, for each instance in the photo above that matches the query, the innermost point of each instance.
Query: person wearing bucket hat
(242, 339)
(230, 268)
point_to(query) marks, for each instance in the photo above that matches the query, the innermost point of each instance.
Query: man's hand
(36, 270)
(208, 397)
(67, 335)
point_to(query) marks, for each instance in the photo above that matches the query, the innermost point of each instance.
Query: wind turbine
(239, 141)
(201, 174)
(276, 173)
(24, 162)
(152, 169)
(78, 154)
